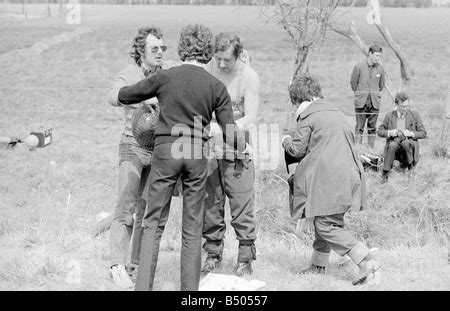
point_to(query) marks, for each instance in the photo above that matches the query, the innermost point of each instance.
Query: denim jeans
(134, 168)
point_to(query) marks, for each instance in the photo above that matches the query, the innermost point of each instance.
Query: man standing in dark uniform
(188, 96)
(367, 82)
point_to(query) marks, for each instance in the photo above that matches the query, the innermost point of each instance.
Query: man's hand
(239, 124)
(393, 133)
(248, 155)
(248, 149)
(214, 129)
(242, 161)
(408, 133)
(284, 137)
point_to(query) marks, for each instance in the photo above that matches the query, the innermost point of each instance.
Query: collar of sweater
(194, 62)
(148, 70)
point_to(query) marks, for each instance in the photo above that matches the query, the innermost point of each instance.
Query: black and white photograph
(245, 147)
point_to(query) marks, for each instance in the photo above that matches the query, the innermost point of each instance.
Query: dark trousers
(401, 150)
(163, 177)
(231, 179)
(370, 114)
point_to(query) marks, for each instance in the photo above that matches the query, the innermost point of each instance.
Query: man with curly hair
(188, 96)
(231, 178)
(134, 160)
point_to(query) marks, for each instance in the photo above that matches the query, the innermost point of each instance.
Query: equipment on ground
(36, 139)
(372, 161)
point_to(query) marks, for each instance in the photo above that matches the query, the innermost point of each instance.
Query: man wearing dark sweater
(188, 96)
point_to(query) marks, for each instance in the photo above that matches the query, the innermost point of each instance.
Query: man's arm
(354, 78)
(224, 116)
(119, 83)
(251, 100)
(419, 131)
(298, 145)
(384, 127)
(382, 82)
(143, 90)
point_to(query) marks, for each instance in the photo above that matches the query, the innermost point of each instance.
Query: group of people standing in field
(214, 84)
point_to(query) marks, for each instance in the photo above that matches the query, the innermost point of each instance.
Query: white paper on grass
(223, 282)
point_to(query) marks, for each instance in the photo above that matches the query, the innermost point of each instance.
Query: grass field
(50, 197)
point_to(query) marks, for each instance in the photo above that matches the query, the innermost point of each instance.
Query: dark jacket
(329, 178)
(363, 85)
(413, 123)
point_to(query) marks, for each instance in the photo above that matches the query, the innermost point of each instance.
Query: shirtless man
(231, 176)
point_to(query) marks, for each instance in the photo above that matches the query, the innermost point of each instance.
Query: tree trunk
(301, 61)
(406, 71)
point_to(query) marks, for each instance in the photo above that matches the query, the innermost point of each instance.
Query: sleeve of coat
(419, 131)
(384, 127)
(298, 145)
(142, 90)
(354, 78)
(382, 80)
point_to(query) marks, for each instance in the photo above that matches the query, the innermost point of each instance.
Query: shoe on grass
(313, 269)
(242, 268)
(212, 262)
(368, 273)
(120, 276)
(384, 177)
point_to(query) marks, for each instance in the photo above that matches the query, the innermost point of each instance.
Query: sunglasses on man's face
(156, 48)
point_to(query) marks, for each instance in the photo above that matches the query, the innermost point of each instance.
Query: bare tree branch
(406, 71)
(306, 22)
(284, 21)
(348, 29)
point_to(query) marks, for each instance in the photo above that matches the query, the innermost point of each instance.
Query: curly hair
(226, 39)
(139, 42)
(400, 97)
(303, 88)
(196, 43)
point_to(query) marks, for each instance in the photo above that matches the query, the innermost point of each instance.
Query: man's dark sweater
(188, 95)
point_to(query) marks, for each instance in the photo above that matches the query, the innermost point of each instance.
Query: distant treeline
(358, 3)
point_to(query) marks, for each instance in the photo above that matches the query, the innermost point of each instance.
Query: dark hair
(139, 42)
(400, 97)
(303, 88)
(196, 43)
(375, 48)
(226, 39)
